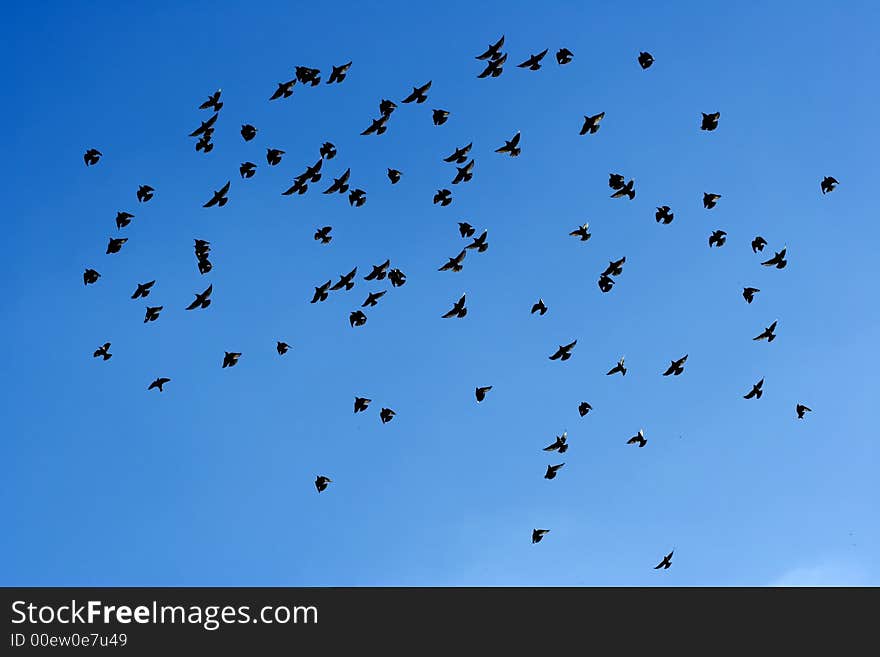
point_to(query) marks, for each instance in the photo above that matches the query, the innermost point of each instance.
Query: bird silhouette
(717, 238)
(645, 60)
(464, 174)
(582, 232)
(321, 483)
(533, 63)
(564, 56)
(152, 313)
(377, 126)
(465, 229)
(627, 190)
(357, 197)
(306, 75)
(284, 90)
(357, 318)
(665, 563)
(767, 334)
(458, 309)
(443, 197)
(480, 393)
(346, 280)
(248, 132)
(373, 299)
(323, 234)
(202, 300)
(800, 408)
(419, 94)
(616, 180)
(710, 121)
(282, 348)
(394, 176)
(584, 408)
(564, 351)
(639, 439)
(676, 367)
(828, 184)
(615, 267)
(480, 243)
(145, 193)
(758, 244)
(213, 102)
(338, 73)
(92, 156)
(158, 383)
(397, 277)
(539, 307)
(778, 260)
(454, 264)
(378, 272)
(493, 51)
(538, 534)
(709, 200)
(511, 146)
(552, 470)
(605, 283)
(494, 67)
(591, 123)
(219, 198)
(327, 150)
(749, 293)
(459, 156)
(115, 244)
(273, 156)
(103, 351)
(664, 215)
(340, 184)
(230, 358)
(387, 107)
(559, 445)
(386, 415)
(620, 367)
(247, 169)
(205, 126)
(321, 292)
(123, 219)
(756, 392)
(439, 116)
(361, 404)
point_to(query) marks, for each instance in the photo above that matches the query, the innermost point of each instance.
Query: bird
(439, 116)
(494, 67)
(559, 445)
(361, 404)
(480, 393)
(377, 126)
(307, 75)
(273, 156)
(539, 307)
(479, 243)
(709, 200)
(282, 348)
(379, 271)
(152, 313)
(248, 132)
(552, 470)
(397, 277)
(247, 169)
(584, 408)
(538, 534)
(615, 267)
(123, 219)
(103, 351)
(145, 193)
(115, 244)
(464, 174)
(465, 229)
(92, 156)
(627, 190)
(564, 351)
(357, 318)
(758, 244)
(710, 121)
(749, 293)
(219, 198)
(778, 260)
(454, 264)
(299, 186)
(618, 368)
(323, 234)
(717, 238)
(665, 563)
(321, 483)
(443, 197)
(664, 215)
(564, 56)
(459, 156)
(386, 415)
(828, 184)
(284, 90)
(639, 439)
(338, 73)
(591, 123)
(605, 283)
(321, 292)
(204, 143)
(616, 181)
(645, 60)
(158, 383)
(676, 367)
(394, 176)
(143, 289)
(533, 63)
(357, 197)
(202, 300)
(493, 51)
(387, 107)
(205, 126)
(582, 232)
(756, 391)
(340, 184)
(230, 358)
(511, 146)
(419, 94)
(213, 102)
(767, 334)
(458, 309)
(800, 409)
(373, 299)
(346, 280)
(328, 150)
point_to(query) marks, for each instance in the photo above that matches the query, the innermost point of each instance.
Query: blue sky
(211, 481)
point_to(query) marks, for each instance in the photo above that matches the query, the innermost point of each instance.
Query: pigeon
(205, 126)
(357, 197)
(584, 408)
(379, 271)
(538, 534)
(328, 150)
(493, 51)
(158, 383)
(204, 143)
(645, 60)
(248, 132)
(664, 215)
(394, 176)
(828, 184)
(397, 277)
(284, 90)
(494, 68)
(533, 63)
(152, 313)
(123, 219)
(387, 107)
(758, 244)
(717, 238)
(230, 358)
(458, 309)
(800, 408)
(756, 391)
(439, 116)
(202, 300)
(308, 75)
(564, 351)
(321, 483)
(323, 234)
(564, 56)
(749, 293)
(479, 243)
(615, 267)
(247, 169)
(591, 123)
(676, 367)
(103, 351)
(778, 260)
(480, 393)
(511, 146)
(582, 232)
(92, 156)
(143, 289)
(464, 174)
(627, 190)
(338, 73)
(616, 181)
(219, 198)
(386, 415)
(145, 193)
(639, 439)
(115, 244)
(465, 229)
(299, 186)
(710, 121)
(346, 280)
(340, 184)
(361, 404)
(357, 318)
(606, 283)
(321, 292)
(418, 94)
(767, 334)
(273, 156)
(460, 154)
(552, 470)
(539, 308)
(377, 126)
(618, 368)
(709, 200)
(559, 445)
(443, 197)
(666, 563)
(373, 299)
(213, 102)
(454, 264)
(282, 348)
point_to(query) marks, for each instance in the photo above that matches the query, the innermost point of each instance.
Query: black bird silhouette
(591, 123)
(493, 51)
(273, 156)
(710, 121)
(328, 150)
(143, 289)
(620, 367)
(357, 197)
(709, 200)
(758, 244)
(386, 415)
(340, 185)
(387, 107)
(539, 307)
(616, 181)
(158, 383)
(202, 300)
(480, 392)
(584, 408)
(676, 367)
(361, 404)
(615, 267)
(605, 283)
(749, 293)
(145, 193)
(479, 243)
(123, 219)
(321, 483)
(338, 73)
(627, 190)
(377, 126)
(552, 470)
(313, 172)
(666, 563)
(323, 234)
(285, 90)
(213, 102)
(418, 94)
(204, 143)
(717, 238)
(346, 280)
(103, 351)
(152, 313)
(464, 174)
(756, 391)
(439, 116)
(460, 154)
(458, 309)
(321, 292)
(394, 176)
(639, 439)
(768, 333)
(397, 277)
(564, 56)
(828, 184)
(538, 534)
(219, 198)
(378, 272)
(454, 264)
(205, 126)
(299, 186)
(564, 351)
(443, 197)
(559, 445)
(778, 260)
(282, 348)
(248, 132)
(494, 67)
(664, 215)
(373, 299)
(465, 229)
(582, 232)
(230, 358)
(800, 408)
(533, 63)
(308, 75)
(92, 156)
(511, 146)
(645, 60)
(115, 244)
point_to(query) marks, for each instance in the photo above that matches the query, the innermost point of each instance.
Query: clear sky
(211, 481)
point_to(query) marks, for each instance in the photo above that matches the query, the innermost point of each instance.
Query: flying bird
(205, 126)
(204, 143)
(357, 197)
(213, 102)
(494, 68)
(202, 300)
(709, 200)
(357, 318)
(464, 174)
(767, 334)
(115, 244)
(710, 121)
(480, 243)
(321, 292)
(717, 238)
(666, 563)
(307, 75)
(145, 193)
(778, 260)
(386, 415)
(273, 156)
(158, 383)
(103, 351)
(282, 348)
(377, 126)
(645, 60)
(143, 289)
(664, 215)
(564, 56)
(247, 169)
(340, 184)
(676, 367)
(758, 244)
(394, 176)
(615, 267)
(361, 404)
(439, 116)
(828, 184)
(511, 146)
(480, 393)
(321, 483)
(387, 107)
(379, 271)
(338, 73)
(538, 534)
(284, 90)
(230, 358)
(92, 156)
(800, 408)
(591, 123)
(419, 94)
(458, 309)
(219, 198)
(584, 408)
(465, 229)
(152, 313)
(582, 232)
(617, 368)
(639, 439)
(552, 470)
(605, 283)
(123, 219)
(248, 132)
(756, 391)
(460, 154)
(454, 264)
(373, 299)
(328, 150)
(564, 351)
(749, 293)
(323, 234)
(616, 181)
(559, 445)
(533, 63)
(443, 197)
(539, 308)
(397, 277)
(493, 51)
(627, 190)
(346, 280)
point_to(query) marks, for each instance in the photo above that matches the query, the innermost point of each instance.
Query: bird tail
(771, 338)
(107, 356)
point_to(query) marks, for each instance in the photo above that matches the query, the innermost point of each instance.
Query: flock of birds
(495, 60)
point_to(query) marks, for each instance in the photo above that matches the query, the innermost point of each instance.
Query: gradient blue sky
(211, 482)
